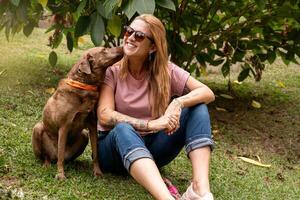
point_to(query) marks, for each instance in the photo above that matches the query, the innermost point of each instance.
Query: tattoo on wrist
(178, 103)
(142, 124)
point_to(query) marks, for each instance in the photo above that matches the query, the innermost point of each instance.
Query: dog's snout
(117, 51)
(113, 55)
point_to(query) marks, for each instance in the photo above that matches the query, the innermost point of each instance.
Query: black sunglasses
(138, 35)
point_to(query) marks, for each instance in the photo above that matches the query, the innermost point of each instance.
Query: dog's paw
(46, 163)
(60, 176)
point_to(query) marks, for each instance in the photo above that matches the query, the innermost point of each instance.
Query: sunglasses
(138, 35)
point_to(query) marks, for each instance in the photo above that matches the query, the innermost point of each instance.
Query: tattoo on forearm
(136, 123)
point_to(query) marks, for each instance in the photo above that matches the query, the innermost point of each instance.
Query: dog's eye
(79, 70)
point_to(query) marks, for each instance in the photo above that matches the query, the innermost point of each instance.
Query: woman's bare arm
(107, 115)
(197, 92)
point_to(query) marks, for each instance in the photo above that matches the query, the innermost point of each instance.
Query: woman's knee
(123, 126)
(200, 112)
(200, 108)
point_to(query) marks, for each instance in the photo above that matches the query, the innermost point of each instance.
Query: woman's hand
(168, 123)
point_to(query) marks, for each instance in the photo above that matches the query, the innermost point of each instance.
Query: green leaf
(201, 59)
(244, 74)
(130, 9)
(166, 4)
(263, 57)
(27, 30)
(238, 55)
(284, 58)
(145, 6)
(98, 30)
(197, 72)
(15, 2)
(261, 4)
(297, 51)
(216, 62)
(108, 6)
(21, 12)
(80, 7)
(140, 6)
(52, 58)
(43, 3)
(291, 57)
(70, 41)
(225, 68)
(114, 25)
(57, 40)
(2, 10)
(271, 56)
(82, 26)
(50, 29)
(192, 68)
(102, 11)
(7, 31)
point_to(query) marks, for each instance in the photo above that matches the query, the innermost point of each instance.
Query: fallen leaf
(50, 90)
(81, 40)
(221, 109)
(226, 96)
(280, 84)
(237, 82)
(258, 158)
(254, 162)
(2, 72)
(30, 91)
(255, 104)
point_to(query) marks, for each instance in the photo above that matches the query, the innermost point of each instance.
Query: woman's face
(135, 48)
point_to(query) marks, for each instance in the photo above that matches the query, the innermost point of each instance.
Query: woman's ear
(152, 49)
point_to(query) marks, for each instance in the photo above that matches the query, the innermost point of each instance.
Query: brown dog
(60, 136)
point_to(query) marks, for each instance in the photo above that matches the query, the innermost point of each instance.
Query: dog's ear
(85, 66)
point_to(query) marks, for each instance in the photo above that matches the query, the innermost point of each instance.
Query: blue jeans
(123, 145)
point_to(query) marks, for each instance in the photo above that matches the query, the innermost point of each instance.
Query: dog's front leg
(93, 139)
(61, 148)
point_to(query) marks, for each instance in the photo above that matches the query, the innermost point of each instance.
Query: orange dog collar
(80, 85)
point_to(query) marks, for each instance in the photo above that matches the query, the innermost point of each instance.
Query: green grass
(271, 132)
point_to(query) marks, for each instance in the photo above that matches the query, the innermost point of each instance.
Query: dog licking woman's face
(90, 69)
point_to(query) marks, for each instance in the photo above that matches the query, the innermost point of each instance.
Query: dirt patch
(9, 181)
(253, 130)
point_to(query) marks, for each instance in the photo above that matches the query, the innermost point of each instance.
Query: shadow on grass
(273, 127)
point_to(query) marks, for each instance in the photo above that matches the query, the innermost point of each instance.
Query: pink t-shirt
(132, 96)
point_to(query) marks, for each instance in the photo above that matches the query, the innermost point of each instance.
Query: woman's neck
(136, 68)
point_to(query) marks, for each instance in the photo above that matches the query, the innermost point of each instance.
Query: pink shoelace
(172, 188)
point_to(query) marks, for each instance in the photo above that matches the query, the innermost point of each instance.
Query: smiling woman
(141, 127)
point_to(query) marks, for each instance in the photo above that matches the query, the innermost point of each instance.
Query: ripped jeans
(121, 146)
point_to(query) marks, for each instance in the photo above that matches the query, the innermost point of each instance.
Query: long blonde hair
(159, 83)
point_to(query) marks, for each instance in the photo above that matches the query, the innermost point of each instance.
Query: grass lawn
(270, 133)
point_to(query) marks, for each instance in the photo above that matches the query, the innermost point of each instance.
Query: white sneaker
(191, 195)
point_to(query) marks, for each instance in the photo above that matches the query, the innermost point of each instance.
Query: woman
(140, 130)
